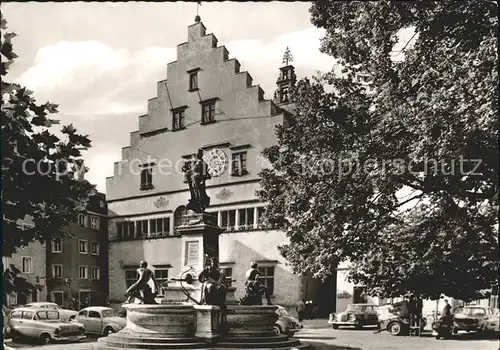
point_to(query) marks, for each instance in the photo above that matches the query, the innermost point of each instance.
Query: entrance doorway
(84, 298)
(58, 297)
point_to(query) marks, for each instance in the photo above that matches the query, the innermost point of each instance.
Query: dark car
(355, 315)
(472, 318)
(392, 322)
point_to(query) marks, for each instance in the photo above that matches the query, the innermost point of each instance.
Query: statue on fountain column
(254, 289)
(213, 284)
(146, 288)
(195, 176)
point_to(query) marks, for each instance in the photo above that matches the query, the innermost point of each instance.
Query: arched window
(178, 215)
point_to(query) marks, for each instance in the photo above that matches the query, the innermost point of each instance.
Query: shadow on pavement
(316, 337)
(322, 346)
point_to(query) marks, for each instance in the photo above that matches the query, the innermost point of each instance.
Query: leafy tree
(395, 166)
(14, 281)
(37, 185)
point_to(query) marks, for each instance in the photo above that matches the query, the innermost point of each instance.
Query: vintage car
(355, 315)
(390, 320)
(474, 318)
(286, 323)
(42, 324)
(66, 315)
(101, 320)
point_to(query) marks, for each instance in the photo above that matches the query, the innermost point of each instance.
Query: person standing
(301, 307)
(446, 314)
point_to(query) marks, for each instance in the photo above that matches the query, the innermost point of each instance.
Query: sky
(100, 61)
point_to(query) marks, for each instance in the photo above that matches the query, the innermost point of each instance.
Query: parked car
(286, 323)
(42, 324)
(101, 320)
(355, 315)
(66, 314)
(474, 318)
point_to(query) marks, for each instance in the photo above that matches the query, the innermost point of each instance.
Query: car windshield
(108, 313)
(471, 311)
(355, 308)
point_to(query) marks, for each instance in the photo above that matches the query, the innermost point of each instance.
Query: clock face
(217, 162)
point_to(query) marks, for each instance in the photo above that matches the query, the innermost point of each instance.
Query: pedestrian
(301, 308)
(446, 315)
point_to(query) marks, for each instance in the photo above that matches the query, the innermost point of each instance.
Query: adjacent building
(69, 267)
(206, 103)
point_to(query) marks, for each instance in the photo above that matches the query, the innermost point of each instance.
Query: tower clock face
(217, 162)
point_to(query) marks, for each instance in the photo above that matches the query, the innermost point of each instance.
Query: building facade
(64, 268)
(31, 263)
(206, 103)
(77, 265)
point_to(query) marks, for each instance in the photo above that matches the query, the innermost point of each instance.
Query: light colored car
(473, 318)
(355, 315)
(42, 324)
(286, 323)
(101, 320)
(492, 322)
(66, 315)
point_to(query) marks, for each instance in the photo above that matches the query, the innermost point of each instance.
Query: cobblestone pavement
(322, 337)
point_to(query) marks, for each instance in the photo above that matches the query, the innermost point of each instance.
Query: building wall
(244, 121)
(36, 275)
(71, 258)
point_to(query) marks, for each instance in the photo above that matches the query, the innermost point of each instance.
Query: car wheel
(394, 328)
(455, 330)
(278, 330)
(45, 339)
(359, 326)
(335, 326)
(108, 331)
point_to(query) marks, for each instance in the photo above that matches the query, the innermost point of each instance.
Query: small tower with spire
(286, 79)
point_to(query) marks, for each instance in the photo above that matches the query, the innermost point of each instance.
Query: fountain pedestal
(180, 323)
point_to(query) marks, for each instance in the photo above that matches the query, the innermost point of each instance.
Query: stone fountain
(182, 320)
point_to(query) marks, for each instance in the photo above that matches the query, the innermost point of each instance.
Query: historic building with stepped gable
(206, 102)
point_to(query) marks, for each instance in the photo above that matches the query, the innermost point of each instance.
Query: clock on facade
(217, 162)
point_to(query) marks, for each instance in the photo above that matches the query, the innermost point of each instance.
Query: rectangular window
(83, 272)
(239, 164)
(142, 228)
(250, 217)
(152, 226)
(57, 271)
(94, 222)
(232, 219)
(179, 119)
(83, 246)
(208, 112)
(130, 277)
(81, 220)
(119, 230)
(268, 277)
(147, 178)
(242, 224)
(56, 245)
(224, 219)
(131, 229)
(192, 252)
(161, 276)
(96, 273)
(94, 248)
(27, 265)
(193, 81)
(228, 273)
(166, 225)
